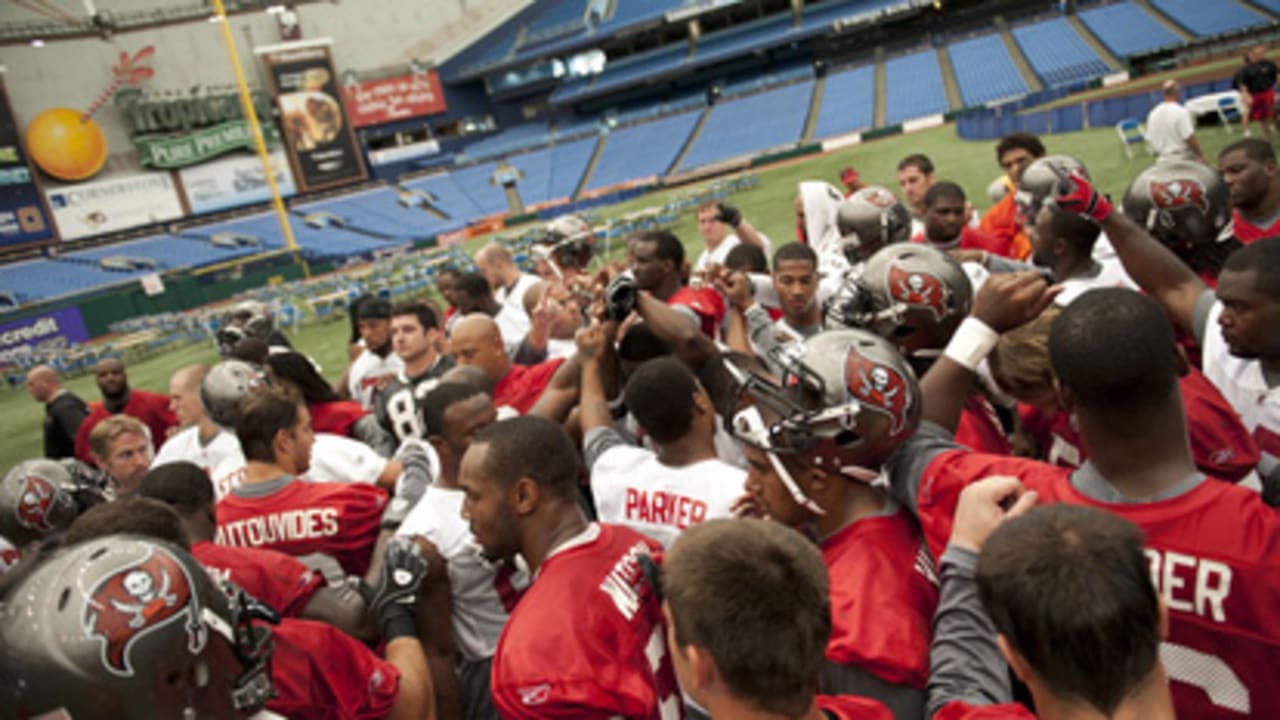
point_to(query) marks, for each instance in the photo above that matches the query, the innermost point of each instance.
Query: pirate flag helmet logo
(138, 599)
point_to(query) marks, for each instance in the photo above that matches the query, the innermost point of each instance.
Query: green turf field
(768, 206)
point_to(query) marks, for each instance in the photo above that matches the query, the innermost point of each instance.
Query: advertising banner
(374, 102)
(322, 146)
(23, 217)
(104, 206)
(50, 331)
(175, 151)
(174, 132)
(234, 182)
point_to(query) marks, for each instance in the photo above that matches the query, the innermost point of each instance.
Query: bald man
(199, 440)
(509, 284)
(119, 399)
(63, 411)
(477, 342)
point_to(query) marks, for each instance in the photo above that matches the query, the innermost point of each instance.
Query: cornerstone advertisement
(50, 331)
(234, 182)
(374, 102)
(23, 218)
(322, 146)
(120, 203)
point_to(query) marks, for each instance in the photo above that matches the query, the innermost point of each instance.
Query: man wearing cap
(377, 364)
(1171, 131)
(565, 248)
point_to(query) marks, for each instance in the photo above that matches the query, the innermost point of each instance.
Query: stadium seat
(1131, 133)
(1127, 29)
(914, 87)
(768, 120)
(984, 70)
(848, 102)
(642, 150)
(1205, 19)
(1229, 111)
(1057, 53)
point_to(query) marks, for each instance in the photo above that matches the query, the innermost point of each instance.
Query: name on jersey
(624, 583)
(281, 527)
(664, 508)
(1190, 584)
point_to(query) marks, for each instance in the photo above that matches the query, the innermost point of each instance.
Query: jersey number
(1208, 673)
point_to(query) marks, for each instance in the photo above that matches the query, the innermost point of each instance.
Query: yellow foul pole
(259, 142)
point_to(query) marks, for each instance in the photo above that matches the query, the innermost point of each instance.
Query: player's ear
(525, 495)
(1065, 400)
(1164, 616)
(1016, 662)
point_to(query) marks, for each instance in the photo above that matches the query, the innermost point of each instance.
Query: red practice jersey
(885, 632)
(1246, 232)
(521, 387)
(706, 303)
(956, 710)
(979, 428)
(971, 239)
(1220, 445)
(321, 672)
(300, 518)
(587, 638)
(852, 707)
(1215, 560)
(337, 417)
(151, 408)
(276, 579)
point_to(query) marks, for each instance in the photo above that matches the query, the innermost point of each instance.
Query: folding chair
(1229, 111)
(1131, 133)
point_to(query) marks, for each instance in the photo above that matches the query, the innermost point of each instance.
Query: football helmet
(127, 627)
(1042, 180)
(844, 402)
(1182, 204)
(39, 497)
(566, 242)
(870, 219)
(913, 295)
(225, 385)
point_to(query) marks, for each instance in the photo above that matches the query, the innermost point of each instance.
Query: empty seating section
(750, 124)
(34, 280)
(823, 14)
(557, 18)
(1204, 18)
(553, 172)
(507, 140)
(642, 150)
(263, 227)
(448, 197)
(576, 127)
(1057, 53)
(376, 211)
(168, 251)
(1127, 29)
(848, 102)
(1272, 5)
(474, 182)
(334, 243)
(984, 71)
(634, 12)
(914, 87)
(638, 67)
(743, 38)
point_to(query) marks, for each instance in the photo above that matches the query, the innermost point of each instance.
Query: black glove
(391, 601)
(620, 298)
(729, 215)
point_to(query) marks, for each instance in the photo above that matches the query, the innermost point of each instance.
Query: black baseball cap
(375, 308)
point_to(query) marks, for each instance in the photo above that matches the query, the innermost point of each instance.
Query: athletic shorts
(1262, 106)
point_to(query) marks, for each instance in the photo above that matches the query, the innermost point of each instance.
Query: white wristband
(971, 343)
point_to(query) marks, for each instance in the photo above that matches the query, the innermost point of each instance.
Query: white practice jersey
(185, 446)
(367, 372)
(333, 459)
(1111, 274)
(633, 489)
(483, 593)
(1243, 384)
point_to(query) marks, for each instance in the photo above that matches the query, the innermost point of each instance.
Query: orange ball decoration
(66, 145)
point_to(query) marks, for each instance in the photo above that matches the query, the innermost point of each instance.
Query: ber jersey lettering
(1214, 554)
(339, 519)
(608, 657)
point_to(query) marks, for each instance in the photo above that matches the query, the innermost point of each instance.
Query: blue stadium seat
(771, 119)
(627, 13)
(554, 172)
(1272, 5)
(642, 150)
(1127, 29)
(848, 102)
(1058, 54)
(984, 71)
(36, 280)
(508, 140)
(628, 70)
(450, 198)
(1215, 17)
(739, 39)
(379, 212)
(914, 87)
(820, 16)
(168, 251)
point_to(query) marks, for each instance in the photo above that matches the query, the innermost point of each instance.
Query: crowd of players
(920, 462)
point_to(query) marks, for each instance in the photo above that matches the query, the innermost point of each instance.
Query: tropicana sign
(182, 131)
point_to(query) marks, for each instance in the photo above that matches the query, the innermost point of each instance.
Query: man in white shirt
(482, 593)
(1171, 129)
(509, 285)
(722, 227)
(474, 295)
(374, 367)
(678, 484)
(199, 441)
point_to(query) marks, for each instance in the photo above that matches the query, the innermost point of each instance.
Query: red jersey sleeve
(971, 239)
(336, 418)
(956, 710)
(153, 410)
(320, 672)
(979, 427)
(521, 387)
(852, 707)
(96, 413)
(1220, 444)
(277, 579)
(706, 303)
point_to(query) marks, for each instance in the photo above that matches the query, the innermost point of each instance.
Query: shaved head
(42, 383)
(477, 341)
(189, 377)
(495, 263)
(184, 395)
